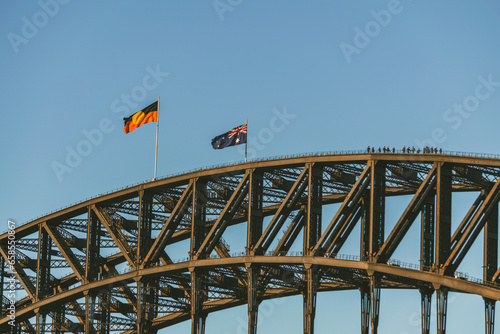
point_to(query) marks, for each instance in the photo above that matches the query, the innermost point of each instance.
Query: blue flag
(233, 137)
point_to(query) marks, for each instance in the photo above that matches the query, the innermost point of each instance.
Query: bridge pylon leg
(146, 300)
(89, 313)
(490, 264)
(489, 315)
(198, 319)
(253, 303)
(203, 322)
(374, 302)
(104, 313)
(442, 305)
(365, 310)
(426, 301)
(58, 321)
(370, 306)
(3, 275)
(310, 301)
(40, 323)
(141, 308)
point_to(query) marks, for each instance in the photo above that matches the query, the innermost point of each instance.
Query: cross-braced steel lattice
(152, 255)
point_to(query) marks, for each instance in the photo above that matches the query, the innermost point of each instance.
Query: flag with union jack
(233, 137)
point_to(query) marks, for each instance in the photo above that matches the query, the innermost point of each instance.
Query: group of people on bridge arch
(387, 149)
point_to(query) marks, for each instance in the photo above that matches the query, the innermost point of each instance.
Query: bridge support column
(198, 318)
(40, 322)
(43, 275)
(146, 301)
(489, 315)
(3, 274)
(146, 294)
(58, 321)
(365, 311)
(490, 264)
(91, 266)
(426, 302)
(89, 313)
(374, 302)
(104, 313)
(254, 231)
(253, 303)
(141, 308)
(370, 306)
(310, 300)
(442, 305)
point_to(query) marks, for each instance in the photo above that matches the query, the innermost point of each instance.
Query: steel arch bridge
(107, 264)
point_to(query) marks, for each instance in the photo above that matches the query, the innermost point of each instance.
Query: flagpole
(246, 141)
(157, 126)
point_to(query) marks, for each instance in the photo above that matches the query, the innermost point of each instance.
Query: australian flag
(233, 137)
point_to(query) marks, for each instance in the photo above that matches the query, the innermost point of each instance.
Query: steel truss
(110, 264)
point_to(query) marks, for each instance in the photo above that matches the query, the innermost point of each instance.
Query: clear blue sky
(348, 75)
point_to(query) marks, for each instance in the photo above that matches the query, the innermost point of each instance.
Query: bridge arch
(107, 264)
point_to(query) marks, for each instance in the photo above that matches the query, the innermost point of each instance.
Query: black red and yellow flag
(146, 115)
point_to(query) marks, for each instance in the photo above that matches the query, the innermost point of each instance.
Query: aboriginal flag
(233, 137)
(146, 115)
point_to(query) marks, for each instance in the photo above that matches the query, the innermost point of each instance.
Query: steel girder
(71, 282)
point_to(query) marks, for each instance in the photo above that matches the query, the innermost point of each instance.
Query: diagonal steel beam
(124, 289)
(282, 213)
(348, 206)
(66, 251)
(20, 275)
(291, 233)
(223, 252)
(166, 260)
(410, 214)
(459, 232)
(170, 226)
(226, 215)
(341, 235)
(75, 307)
(474, 228)
(115, 233)
(496, 276)
(285, 243)
(28, 327)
